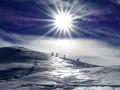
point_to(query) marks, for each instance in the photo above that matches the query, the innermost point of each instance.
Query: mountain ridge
(14, 53)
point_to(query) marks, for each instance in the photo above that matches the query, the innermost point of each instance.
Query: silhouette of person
(52, 54)
(64, 56)
(77, 59)
(56, 54)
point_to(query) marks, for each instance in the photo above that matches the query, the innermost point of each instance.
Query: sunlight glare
(63, 21)
(63, 17)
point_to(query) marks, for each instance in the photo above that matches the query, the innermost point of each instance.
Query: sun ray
(63, 20)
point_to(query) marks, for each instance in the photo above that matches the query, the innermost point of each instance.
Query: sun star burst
(63, 21)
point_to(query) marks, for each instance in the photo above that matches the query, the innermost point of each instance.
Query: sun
(63, 21)
(64, 18)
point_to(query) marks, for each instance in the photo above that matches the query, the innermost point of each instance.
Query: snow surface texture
(18, 71)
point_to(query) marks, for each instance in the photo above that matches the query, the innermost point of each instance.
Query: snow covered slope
(19, 60)
(20, 54)
(19, 72)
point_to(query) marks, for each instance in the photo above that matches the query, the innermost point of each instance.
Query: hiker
(64, 56)
(78, 59)
(52, 54)
(56, 54)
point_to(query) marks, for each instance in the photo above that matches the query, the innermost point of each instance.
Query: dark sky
(20, 17)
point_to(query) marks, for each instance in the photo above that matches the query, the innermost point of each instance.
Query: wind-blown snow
(18, 72)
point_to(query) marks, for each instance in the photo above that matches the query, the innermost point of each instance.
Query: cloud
(21, 0)
(47, 1)
(88, 50)
(4, 43)
(64, 3)
(116, 1)
(15, 38)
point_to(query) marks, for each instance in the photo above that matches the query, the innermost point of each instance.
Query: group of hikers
(52, 54)
(63, 57)
(57, 55)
